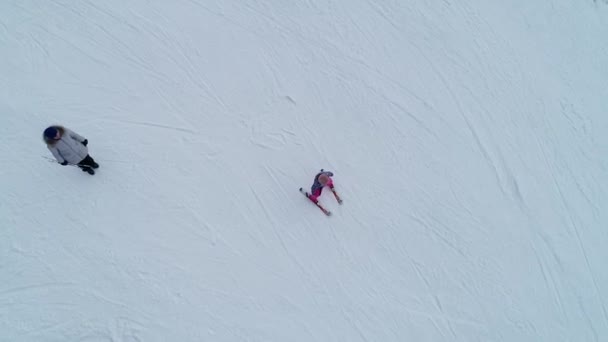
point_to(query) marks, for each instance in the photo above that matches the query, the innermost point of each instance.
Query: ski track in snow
(468, 156)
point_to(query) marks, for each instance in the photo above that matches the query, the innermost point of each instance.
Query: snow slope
(467, 140)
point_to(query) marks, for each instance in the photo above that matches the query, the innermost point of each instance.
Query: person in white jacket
(68, 147)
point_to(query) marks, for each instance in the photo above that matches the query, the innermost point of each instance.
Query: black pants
(87, 163)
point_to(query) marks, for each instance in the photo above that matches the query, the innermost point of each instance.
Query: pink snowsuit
(317, 187)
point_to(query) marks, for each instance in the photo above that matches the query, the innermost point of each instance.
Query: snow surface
(468, 140)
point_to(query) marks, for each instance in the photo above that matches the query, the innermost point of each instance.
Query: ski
(325, 211)
(336, 195)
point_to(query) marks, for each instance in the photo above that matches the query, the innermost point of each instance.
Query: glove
(85, 142)
(64, 163)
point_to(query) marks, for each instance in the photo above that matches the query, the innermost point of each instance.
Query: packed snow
(467, 139)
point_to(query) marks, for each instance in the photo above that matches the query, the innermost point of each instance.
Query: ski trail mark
(150, 124)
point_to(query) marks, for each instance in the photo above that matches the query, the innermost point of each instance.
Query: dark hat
(51, 132)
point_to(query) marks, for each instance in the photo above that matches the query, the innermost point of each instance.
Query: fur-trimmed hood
(51, 142)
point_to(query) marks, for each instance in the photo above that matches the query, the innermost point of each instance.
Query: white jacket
(69, 148)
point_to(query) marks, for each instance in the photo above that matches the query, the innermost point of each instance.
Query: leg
(333, 190)
(93, 162)
(313, 197)
(88, 169)
(86, 165)
(89, 161)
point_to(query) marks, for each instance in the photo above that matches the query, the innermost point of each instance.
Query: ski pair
(325, 211)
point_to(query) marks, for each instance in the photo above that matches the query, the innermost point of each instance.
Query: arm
(75, 135)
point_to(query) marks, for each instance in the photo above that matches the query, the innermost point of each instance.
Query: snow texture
(468, 140)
